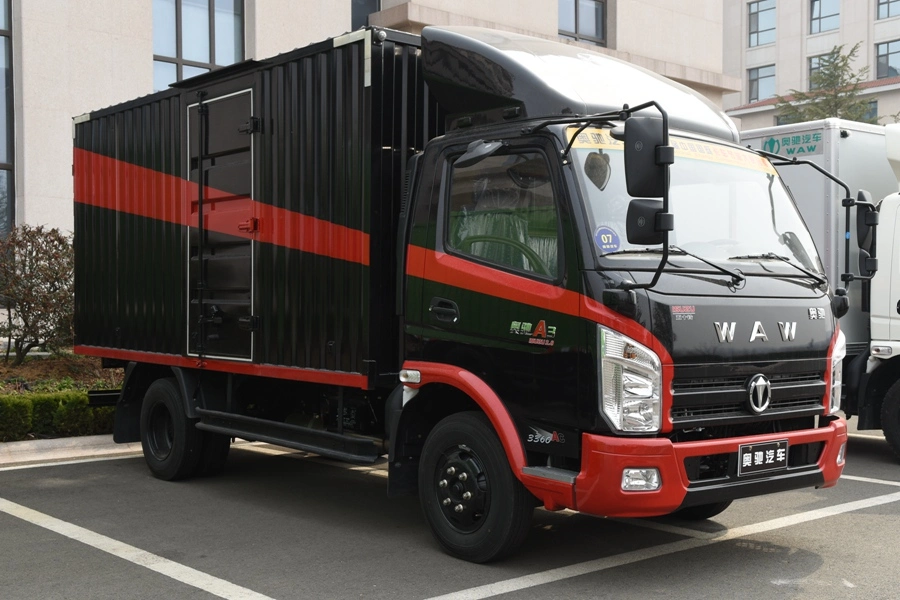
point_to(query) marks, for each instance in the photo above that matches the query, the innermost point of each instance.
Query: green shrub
(43, 411)
(15, 418)
(74, 416)
(104, 418)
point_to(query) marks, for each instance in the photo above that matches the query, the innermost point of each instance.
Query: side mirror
(476, 152)
(646, 157)
(641, 222)
(868, 264)
(866, 221)
(840, 303)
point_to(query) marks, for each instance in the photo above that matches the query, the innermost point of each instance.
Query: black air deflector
(472, 70)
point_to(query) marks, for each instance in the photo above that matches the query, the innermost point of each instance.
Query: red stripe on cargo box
(341, 378)
(120, 186)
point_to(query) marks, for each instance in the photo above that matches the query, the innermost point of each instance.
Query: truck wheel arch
(444, 390)
(138, 379)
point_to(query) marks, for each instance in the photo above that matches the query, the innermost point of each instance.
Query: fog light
(840, 456)
(640, 480)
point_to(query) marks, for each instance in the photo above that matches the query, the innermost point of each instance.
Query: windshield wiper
(635, 251)
(735, 276)
(817, 277)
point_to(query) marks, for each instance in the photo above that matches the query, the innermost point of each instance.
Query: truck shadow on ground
(354, 510)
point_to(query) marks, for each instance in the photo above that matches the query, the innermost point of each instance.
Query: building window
(824, 15)
(888, 8)
(887, 59)
(762, 22)
(360, 11)
(871, 115)
(583, 20)
(7, 197)
(762, 83)
(191, 37)
(815, 65)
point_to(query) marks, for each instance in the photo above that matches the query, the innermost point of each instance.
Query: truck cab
(641, 377)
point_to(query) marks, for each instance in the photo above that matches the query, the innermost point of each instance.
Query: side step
(553, 473)
(324, 443)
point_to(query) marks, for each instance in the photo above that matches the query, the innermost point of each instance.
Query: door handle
(898, 307)
(444, 310)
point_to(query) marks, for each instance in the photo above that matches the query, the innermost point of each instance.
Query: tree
(37, 285)
(834, 91)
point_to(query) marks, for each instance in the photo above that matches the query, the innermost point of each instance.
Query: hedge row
(57, 414)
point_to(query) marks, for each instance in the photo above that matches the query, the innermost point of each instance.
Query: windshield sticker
(607, 239)
(685, 148)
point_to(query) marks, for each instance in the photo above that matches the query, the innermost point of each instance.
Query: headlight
(837, 373)
(630, 382)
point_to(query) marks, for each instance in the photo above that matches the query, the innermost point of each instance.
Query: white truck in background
(865, 157)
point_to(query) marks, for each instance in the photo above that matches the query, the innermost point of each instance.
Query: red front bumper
(598, 488)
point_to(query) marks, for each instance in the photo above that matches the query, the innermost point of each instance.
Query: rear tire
(890, 418)
(477, 509)
(171, 442)
(702, 511)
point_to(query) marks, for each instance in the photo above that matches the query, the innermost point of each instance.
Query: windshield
(729, 203)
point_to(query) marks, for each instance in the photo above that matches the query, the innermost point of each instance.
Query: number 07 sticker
(606, 239)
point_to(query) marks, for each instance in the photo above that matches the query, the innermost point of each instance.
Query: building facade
(774, 45)
(63, 58)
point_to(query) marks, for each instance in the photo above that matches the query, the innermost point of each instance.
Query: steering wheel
(527, 251)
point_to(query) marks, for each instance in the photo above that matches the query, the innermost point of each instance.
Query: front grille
(797, 390)
(739, 409)
(725, 383)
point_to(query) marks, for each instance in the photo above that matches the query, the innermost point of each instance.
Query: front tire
(890, 418)
(476, 507)
(172, 444)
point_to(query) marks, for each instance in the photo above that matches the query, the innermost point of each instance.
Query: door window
(503, 211)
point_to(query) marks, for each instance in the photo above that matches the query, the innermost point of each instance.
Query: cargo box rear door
(223, 224)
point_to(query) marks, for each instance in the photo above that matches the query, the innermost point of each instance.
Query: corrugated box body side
(129, 239)
(303, 159)
(335, 154)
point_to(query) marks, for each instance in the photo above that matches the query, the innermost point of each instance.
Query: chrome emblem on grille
(759, 391)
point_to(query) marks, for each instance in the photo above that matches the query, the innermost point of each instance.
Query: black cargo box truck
(480, 254)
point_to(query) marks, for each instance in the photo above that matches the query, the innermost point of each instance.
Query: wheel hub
(462, 489)
(162, 432)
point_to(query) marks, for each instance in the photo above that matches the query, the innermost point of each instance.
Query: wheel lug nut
(446, 502)
(442, 483)
(467, 496)
(459, 508)
(463, 476)
(451, 471)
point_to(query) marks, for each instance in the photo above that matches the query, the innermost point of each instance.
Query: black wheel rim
(161, 432)
(462, 489)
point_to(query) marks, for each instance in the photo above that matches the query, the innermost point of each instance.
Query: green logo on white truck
(795, 144)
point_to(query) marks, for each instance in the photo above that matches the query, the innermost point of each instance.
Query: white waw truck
(865, 157)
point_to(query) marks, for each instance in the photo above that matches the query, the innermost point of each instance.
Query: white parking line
(870, 480)
(192, 577)
(601, 564)
(67, 462)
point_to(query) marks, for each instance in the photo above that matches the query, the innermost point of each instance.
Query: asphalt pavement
(84, 519)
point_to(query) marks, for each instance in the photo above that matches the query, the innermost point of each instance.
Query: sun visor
(498, 75)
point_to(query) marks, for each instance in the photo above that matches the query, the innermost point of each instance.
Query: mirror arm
(665, 221)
